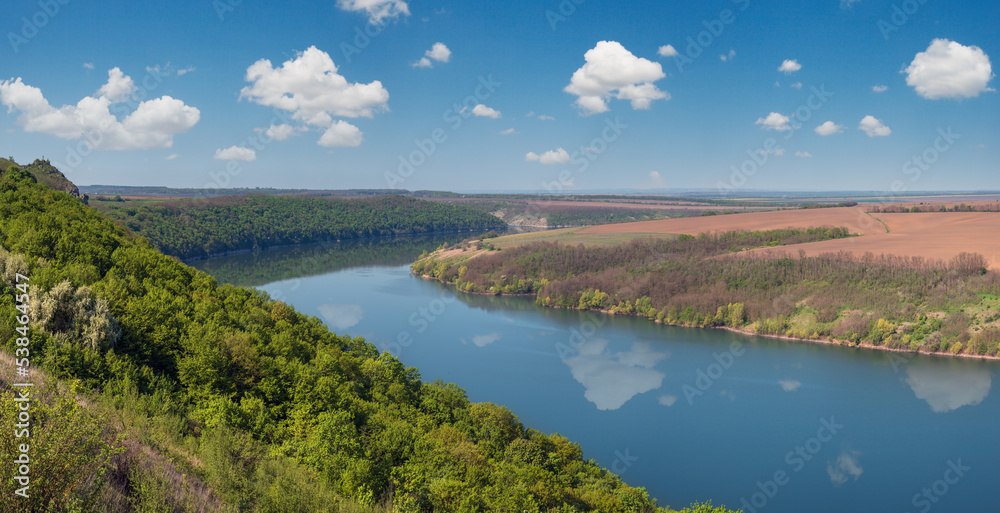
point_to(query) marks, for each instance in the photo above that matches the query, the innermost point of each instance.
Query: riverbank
(746, 331)
(330, 242)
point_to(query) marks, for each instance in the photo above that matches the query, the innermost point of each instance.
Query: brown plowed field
(934, 235)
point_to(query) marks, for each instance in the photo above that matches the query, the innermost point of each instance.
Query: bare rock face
(46, 173)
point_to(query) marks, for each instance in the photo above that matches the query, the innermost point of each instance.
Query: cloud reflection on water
(341, 317)
(611, 379)
(947, 388)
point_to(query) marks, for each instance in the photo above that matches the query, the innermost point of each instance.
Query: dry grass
(572, 236)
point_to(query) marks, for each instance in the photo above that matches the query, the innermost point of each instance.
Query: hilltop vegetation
(214, 397)
(202, 227)
(885, 301)
(45, 173)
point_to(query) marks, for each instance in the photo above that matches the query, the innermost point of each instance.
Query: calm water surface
(689, 414)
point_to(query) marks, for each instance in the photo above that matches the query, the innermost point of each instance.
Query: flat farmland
(931, 235)
(853, 218)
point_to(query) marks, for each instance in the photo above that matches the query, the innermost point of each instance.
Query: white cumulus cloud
(774, 121)
(667, 400)
(439, 52)
(508, 131)
(667, 51)
(152, 124)
(341, 134)
(880, 88)
(803, 154)
(789, 66)
(236, 153)
(377, 10)
(557, 156)
(873, 126)
(611, 71)
(311, 89)
(656, 180)
(829, 128)
(483, 111)
(279, 132)
(949, 70)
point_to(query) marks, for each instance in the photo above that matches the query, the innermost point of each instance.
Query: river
(689, 414)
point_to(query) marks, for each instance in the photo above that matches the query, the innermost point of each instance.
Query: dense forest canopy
(896, 302)
(196, 228)
(232, 390)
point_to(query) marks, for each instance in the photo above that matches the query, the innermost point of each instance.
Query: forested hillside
(201, 227)
(195, 396)
(883, 301)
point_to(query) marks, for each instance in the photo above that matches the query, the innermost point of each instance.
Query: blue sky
(574, 95)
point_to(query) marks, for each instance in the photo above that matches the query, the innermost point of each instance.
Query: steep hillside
(265, 405)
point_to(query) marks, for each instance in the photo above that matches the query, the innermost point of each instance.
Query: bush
(69, 446)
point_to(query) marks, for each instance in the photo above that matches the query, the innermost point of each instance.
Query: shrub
(69, 450)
